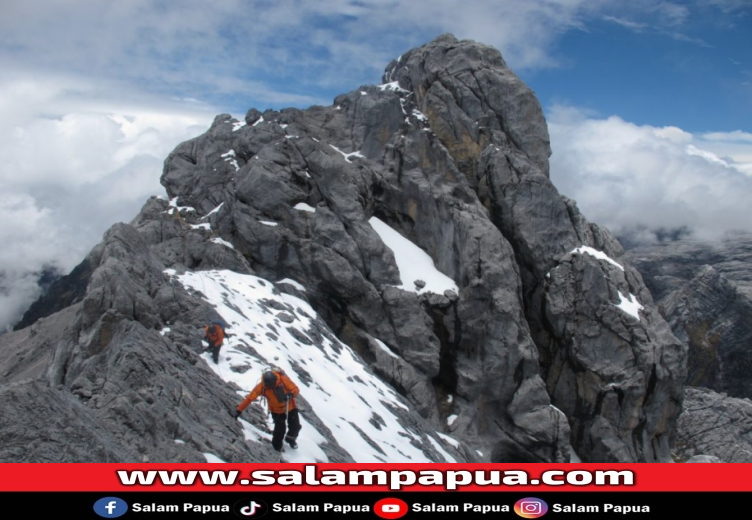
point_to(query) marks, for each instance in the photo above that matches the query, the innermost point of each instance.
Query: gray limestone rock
(714, 319)
(714, 425)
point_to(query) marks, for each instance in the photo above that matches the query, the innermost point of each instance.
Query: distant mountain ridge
(667, 266)
(550, 349)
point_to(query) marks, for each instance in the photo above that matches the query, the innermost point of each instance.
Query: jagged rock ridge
(703, 289)
(551, 342)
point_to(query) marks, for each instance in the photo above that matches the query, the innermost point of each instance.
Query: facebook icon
(110, 507)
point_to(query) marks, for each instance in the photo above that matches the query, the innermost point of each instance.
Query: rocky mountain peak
(408, 239)
(472, 99)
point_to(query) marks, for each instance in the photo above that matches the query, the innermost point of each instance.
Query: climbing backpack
(221, 324)
(279, 390)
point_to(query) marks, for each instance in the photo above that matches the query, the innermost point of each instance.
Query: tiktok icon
(250, 508)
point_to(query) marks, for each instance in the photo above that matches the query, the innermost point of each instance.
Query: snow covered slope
(267, 328)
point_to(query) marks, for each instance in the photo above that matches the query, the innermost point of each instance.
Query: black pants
(292, 427)
(214, 349)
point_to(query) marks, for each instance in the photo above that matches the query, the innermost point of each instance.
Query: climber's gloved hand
(236, 414)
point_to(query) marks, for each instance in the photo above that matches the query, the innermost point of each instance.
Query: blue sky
(649, 102)
(696, 75)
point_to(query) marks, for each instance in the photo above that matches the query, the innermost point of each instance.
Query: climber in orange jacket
(280, 393)
(214, 335)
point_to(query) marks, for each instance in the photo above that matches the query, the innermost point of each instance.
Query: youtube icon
(390, 508)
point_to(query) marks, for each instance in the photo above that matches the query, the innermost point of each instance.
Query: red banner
(376, 477)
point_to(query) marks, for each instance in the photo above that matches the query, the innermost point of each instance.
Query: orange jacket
(215, 337)
(275, 405)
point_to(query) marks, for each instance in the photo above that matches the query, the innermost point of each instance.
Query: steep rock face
(534, 351)
(714, 425)
(714, 319)
(704, 291)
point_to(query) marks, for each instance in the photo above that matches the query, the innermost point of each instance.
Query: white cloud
(16, 287)
(31, 243)
(625, 176)
(672, 13)
(731, 6)
(681, 37)
(635, 26)
(232, 46)
(735, 136)
(75, 149)
(673, 134)
(734, 148)
(668, 19)
(72, 169)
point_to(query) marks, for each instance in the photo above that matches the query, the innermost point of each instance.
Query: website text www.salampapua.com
(394, 479)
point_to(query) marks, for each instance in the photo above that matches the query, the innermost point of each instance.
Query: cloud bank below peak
(630, 177)
(72, 166)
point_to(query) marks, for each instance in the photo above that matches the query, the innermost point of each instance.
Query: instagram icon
(530, 507)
